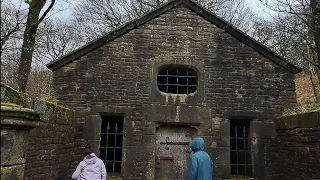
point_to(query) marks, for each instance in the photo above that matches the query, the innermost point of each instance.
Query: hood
(90, 159)
(197, 144)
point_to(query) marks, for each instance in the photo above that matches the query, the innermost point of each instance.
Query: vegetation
(303, 108)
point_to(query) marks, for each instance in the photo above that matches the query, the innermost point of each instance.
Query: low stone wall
(16, 123)
(50, 144)
(295, 153)
(299, 146)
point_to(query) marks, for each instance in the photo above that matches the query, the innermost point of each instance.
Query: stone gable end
(120, 78)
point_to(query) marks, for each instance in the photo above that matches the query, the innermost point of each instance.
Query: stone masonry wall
(119, 78)
(50, 145)
(299, 146)
(295, 153)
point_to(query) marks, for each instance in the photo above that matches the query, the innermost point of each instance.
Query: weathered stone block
(92, 127)
(15, 128)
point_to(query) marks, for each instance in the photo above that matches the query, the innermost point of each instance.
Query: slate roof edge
(195, 7)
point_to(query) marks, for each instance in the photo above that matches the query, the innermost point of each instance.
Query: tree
(95, 17)
(29, 37)
(55, 38)
(315, 12)
(12, 26)
(296, 21)
(292, 32)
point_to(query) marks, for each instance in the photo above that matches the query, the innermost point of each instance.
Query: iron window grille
(240, 148)
(111, 143)
(177, 80)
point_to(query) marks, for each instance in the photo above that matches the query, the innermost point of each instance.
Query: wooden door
(171, 157)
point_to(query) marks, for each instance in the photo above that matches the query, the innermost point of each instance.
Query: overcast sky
(63, 8)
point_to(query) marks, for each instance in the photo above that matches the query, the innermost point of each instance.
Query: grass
(303, 108)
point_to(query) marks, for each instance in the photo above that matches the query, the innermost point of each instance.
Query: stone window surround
(93, 123)
(255, 134)
(168, 60)
(187, 84)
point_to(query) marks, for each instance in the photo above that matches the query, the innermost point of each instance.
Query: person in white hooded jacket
(90, 168)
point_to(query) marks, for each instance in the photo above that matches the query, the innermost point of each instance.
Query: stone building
(143, 90)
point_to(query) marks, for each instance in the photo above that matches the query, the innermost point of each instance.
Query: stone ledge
(47, 111)
(17, 117)
(306, 120)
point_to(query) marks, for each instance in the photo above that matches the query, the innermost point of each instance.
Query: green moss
(302, 108)
(9, 104)
(238, 60)
(55, 103)
(12, 96)
(186, 54)
(269, 66)
(12, 172)
(251, 73)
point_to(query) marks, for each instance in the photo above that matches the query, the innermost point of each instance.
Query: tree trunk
(315, 6)
(29, 38)
(314, 87)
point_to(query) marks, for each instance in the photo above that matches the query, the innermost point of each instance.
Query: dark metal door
(171, 157)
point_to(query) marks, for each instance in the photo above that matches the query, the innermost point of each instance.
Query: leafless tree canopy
(95, 17)
(292, 32)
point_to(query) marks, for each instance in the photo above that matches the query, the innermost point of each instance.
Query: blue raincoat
(200, 165)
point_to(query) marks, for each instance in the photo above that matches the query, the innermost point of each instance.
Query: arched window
(177, 80)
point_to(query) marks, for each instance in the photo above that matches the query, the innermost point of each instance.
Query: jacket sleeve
(103, 171)
(76, 174)
(193, 168)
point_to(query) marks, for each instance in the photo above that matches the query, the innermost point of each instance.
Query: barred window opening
(240, 148)
(177, 80)
(111, 143)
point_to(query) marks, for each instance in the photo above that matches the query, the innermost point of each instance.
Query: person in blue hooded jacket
(200, 165)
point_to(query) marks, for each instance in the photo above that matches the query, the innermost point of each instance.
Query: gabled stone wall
(235, 81)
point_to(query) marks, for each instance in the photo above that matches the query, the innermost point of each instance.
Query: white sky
(63, 8)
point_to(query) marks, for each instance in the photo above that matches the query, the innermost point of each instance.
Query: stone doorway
(171, 146)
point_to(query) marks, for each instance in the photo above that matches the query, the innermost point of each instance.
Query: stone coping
(48, 111)
(17, 117)
(305, 120)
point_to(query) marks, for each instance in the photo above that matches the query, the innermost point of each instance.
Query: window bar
(187, 82)
(107, 136)
(167, 81)
(114, 149)
(177, 81)
(245, 152)
(237, 154)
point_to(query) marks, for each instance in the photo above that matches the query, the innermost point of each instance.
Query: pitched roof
(198, 9)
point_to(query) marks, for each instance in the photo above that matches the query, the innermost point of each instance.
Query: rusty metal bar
(245, 148)
(236, 130)
(180, 85)
(114, 150)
